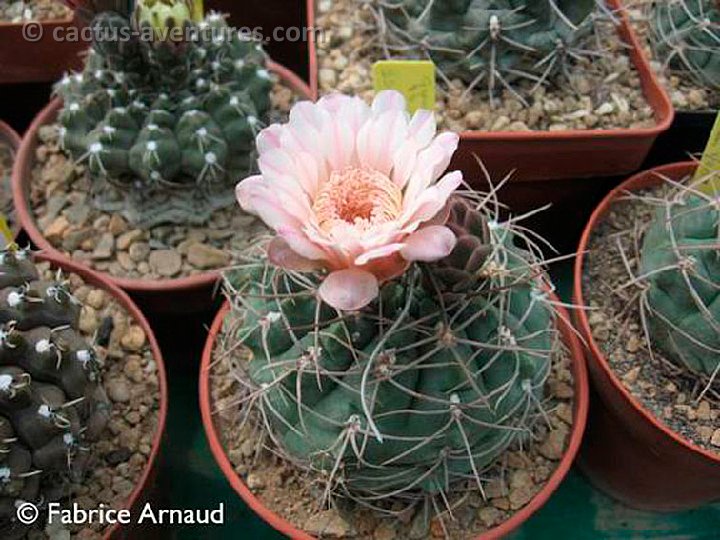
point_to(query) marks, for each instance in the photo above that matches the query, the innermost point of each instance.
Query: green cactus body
(51, 402)
(489, 41)
(686, 37)
(680, 266)
(420, 391)
(171, 128)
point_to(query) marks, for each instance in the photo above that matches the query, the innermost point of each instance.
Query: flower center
(359, 196)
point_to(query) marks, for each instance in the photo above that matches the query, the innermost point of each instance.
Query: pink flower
(354, 190)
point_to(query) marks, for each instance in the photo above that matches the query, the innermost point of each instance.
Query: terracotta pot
(138, 497)
(628, 452)
(546, 155)
(279, 523)
(42, 60)
(182, 295)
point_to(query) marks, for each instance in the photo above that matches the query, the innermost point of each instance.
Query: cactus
(488, 42)
(51, 402)
(418, 392)
(685, 35)
(165, 124)
(680, 275)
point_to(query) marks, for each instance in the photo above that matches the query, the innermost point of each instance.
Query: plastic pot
(30, 51)
(280, 524)
(138, 497)
(628, 453)
(546, 155)
(183, 295)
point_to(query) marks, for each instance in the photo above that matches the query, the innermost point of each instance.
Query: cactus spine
(686, 37)
(419, 392)
(167, 121)
(488, 43)
(51, 402)
(680, 277)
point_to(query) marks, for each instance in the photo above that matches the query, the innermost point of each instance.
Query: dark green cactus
(419, 392)
(170, 125)
(488, 43)
(680, 269)
(51, 402)
(686, 38)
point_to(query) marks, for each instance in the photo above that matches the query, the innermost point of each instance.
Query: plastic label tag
(6, 235)
(415, 79)
(710, 162)
(198, 10)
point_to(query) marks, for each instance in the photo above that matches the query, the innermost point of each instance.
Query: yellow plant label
(710, 162)
(6, 235)
(198, 10)
(415, 79)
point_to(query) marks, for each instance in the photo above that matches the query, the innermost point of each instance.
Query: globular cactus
(489, 43)
(680, 275)
(415, 394)
(686, 38)
(51, 401)
(168, 123)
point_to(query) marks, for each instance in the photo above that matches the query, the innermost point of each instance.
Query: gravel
(130, 379)
(670, 394)
(106, 242)
(605, 94)
(38, 10)
(509, 485)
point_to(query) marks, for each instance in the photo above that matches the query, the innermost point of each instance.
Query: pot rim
(21, 178)
(664, 113)
(650, 177)
(102, 282)
(580, 412)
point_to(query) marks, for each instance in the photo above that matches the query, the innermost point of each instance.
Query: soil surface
(603, 94)
(32, 10)
(130, 378)
(106, 242)
(291, 493)
(673, 396)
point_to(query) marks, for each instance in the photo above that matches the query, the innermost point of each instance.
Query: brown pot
(627, 452)
(139, 496)
(282, 525)
(30, 52)
(556, 155)
(182, 295)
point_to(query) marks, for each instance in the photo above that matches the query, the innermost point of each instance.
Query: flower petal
(388, 100)
(429, 244)
(431, 201)
(349, 290)
(245, 189)
(378, 253)
(301, 244)
(282, 255)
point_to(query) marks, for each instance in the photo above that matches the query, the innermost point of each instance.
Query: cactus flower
(354, 190)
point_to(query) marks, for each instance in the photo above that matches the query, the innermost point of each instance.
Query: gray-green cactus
(419, 392)
(169, 124)
(51, 402)
(680, 270)
(489, 43)
(686, 38)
